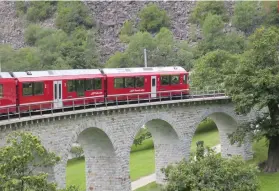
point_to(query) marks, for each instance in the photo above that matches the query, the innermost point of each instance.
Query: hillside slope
(109, 16)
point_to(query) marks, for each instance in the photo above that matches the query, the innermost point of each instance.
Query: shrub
(203, 8)
(127, 30)
(77, 150)
(153, 19)
(211, 172)
(34, 32)
(73, 14)
(40, 10)
(246, 16)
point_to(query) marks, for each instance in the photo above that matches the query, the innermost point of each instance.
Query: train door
(153, 86)
(80, 88)
(57, 94)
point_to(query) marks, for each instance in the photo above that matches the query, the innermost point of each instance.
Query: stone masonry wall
(107, 137)
(109, 16)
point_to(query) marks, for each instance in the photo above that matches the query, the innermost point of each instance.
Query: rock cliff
(109, 16)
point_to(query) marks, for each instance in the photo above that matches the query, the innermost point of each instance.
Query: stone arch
(168, 144)
(226, 122)
(100, 157)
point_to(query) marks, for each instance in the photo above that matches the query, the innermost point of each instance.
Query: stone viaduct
(107, 134)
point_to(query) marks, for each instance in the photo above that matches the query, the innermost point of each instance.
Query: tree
(271, 16)
(210, 69)
(142, 135)
(253, 84)
(211, 173)
(127, 30)
(247, 16)
(204, 8)
(152, 19)
(20, 159)
(162, 50)
(22, 162)
(214, 38)
(73, 14)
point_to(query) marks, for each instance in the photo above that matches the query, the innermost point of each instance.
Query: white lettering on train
(139, 90)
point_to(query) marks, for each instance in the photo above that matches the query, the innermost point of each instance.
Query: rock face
(109, 16)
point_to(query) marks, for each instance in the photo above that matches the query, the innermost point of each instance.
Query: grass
(142, 157)
(268, 182)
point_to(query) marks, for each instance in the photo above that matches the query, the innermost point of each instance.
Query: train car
(58, 88)
(7, 93)
(145, 83)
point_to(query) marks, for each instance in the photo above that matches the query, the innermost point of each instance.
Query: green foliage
(204, 8)
(247, 16)
(271, 16)
(212, 26)
(193, 32)
(152, 19)
(212, 173)
(21, 161)
(73, 14)
(162, 50)
(253, 84)
(255, 81)
(40, 10)
(214, 38)
(210, 69)
(54, 49)
(127, 30)
(34, 32)
(141, 136)
(77, 150)
(18, 60)
(36, 10)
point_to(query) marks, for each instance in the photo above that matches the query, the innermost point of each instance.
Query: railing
(40, 108)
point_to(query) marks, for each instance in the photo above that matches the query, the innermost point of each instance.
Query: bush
(73, 14)
(127, 30)
(152, 19)
(203, 8)
(211, 173)
(77, 151)
(33, 33)
(40, 10)
(246, 16)
(36, 10)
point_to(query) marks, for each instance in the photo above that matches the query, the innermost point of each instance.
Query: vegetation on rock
(152, 18)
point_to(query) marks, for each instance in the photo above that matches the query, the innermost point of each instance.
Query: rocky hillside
(109, 17)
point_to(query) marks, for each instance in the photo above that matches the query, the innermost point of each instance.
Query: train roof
(143, 70)
(5, 75)
(50, 73)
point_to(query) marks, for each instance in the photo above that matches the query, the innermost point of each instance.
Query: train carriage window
(98, 83)
(129, 82)
(27, 89)
(185, 78)
(174, 79)
(119, 82)
(165, 80)
(38, 88)
(71, 86)
(1, 90)
(139, 82)
(89, 84)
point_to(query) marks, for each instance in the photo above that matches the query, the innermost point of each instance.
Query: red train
(36, 90)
